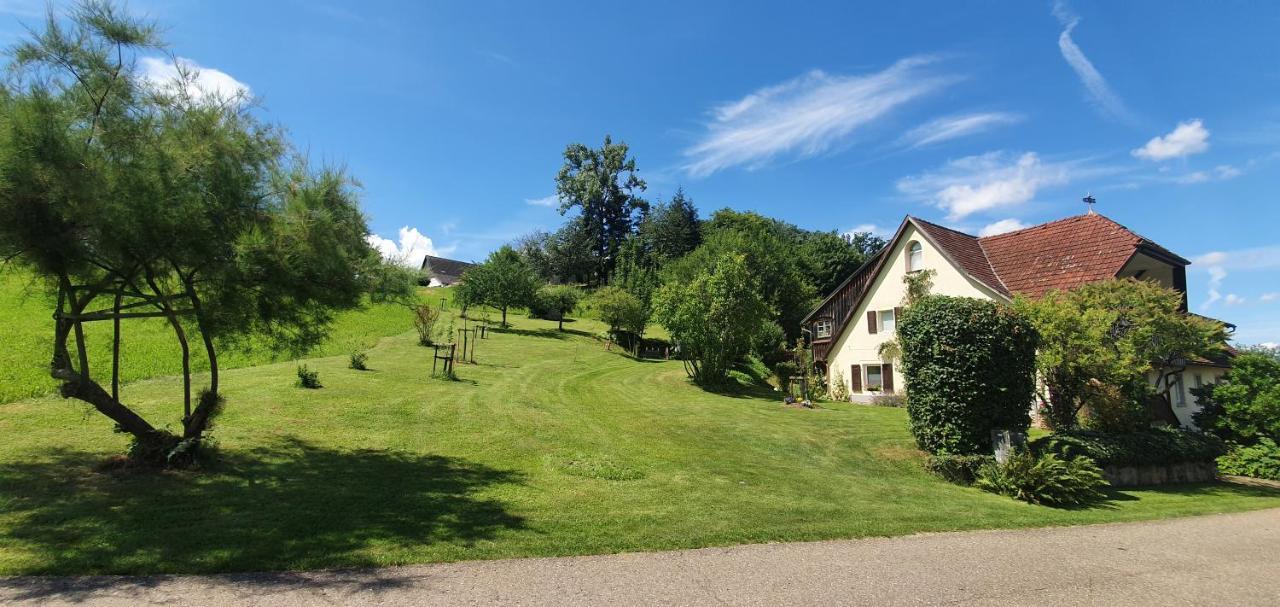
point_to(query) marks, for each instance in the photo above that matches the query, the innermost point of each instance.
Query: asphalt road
(1213, 560)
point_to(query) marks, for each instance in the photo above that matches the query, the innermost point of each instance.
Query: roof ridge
(938, 225)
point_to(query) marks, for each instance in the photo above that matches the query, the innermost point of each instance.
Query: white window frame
(915, 256)
(822, 328)
(1180, 392)
(880, 325)
(866, 384)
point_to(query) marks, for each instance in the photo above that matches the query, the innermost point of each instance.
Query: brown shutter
(886, 376)
(897, 315)
(871, 322)
(855, 378)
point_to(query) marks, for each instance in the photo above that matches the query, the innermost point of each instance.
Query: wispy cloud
(1002, 226)
(552, 201)
(1216, 263)
(412, 248)
(199, 82)
(869, 228)
(808, 115)
(1269, 297)
(1221, 172)
(993, 180)
(952, 127)
(1186, 139)
(1099, 91)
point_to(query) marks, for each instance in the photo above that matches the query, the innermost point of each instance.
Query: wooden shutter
(897, 316)
(855, 378)
(886, 377)
(871, 322)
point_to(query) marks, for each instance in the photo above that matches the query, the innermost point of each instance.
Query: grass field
(550, 445)
(150, 348)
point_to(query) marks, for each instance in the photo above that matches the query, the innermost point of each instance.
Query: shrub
(898, 401)
(359, 361)
(554, 302)
(424, 320)
(307, 378)
(1245, 406)
(839, 389)
(1150, 447)
(971, 365)
(1047, 479)
(958, 469)
(622, 311)
(1258, 461)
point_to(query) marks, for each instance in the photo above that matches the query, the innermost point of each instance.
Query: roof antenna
(1090, 200)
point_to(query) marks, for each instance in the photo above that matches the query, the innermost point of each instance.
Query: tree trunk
(195, 423)
(504, 316)
(115, 350)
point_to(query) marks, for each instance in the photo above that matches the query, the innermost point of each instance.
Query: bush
(958, 469)
(971, 367)
(1150, 447)
(622, 311)
(424, 320)
(1245, 406)
(839, 390)
(1047, 479)
(359, 361)
(1258, 461)
(307, 378)
(898, 401)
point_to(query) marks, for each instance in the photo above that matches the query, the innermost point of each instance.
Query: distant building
(444, 272)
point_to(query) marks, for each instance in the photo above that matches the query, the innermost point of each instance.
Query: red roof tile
(966, 251)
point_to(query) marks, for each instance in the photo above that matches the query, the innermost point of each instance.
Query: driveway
(1229, 559)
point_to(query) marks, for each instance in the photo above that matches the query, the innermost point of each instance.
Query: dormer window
(822, 328)
(915, 257)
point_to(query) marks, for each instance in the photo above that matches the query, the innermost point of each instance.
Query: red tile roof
(1063, 254)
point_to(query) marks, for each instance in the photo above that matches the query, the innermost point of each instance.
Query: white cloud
(808, 115)
(1221, 172)
(1186, 139)
(1270, 345)
(1269, 297)
(1216, 263)
(1099, 91)
(1002, 226)
(1232, 299)
(200, 83)
(870, 228)
(990, 181)
(413, 247)
(952, 127)
(552, 201)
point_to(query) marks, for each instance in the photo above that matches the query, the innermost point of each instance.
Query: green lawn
(549, 446)
(150, 347)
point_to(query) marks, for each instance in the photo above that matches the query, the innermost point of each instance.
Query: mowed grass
(149, 346)
(549, 445)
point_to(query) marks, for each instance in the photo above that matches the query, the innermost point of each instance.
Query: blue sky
(982, 116)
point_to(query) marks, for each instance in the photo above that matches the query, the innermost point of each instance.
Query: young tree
(1101, 342)
(559, 301)
(714, 317)
(672, 229)
(603, 184)
(503, 281)
(1244, 407)
(133, 200)
(622, 311)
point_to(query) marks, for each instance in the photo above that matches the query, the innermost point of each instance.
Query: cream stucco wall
(1190, 405)
(857, 346)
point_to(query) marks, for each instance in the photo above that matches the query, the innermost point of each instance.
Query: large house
(444, 272)
(848, 327)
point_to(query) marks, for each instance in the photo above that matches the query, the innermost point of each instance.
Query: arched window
(915, 257)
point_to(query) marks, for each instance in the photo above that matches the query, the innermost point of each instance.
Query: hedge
(970, 368)
(1151, 447)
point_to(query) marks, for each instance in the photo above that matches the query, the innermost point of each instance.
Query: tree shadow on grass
(1113, 496)
(550, 332)
(290, 505)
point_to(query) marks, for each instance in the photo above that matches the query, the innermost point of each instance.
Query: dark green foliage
(603, 184)
(672, 229)
(1245, 406)
(359, 361)
(1046, 480)
(1261, 460)
(637, 270)
(308, 378)
(958, 469)
(971, 367)
(1150, 447)
(554, 302)
(828, 258)
(622, 311)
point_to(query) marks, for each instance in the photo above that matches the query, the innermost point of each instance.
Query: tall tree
(603, 184)
(503, 281)
(672, 228)
(828, 258)
(133, 200)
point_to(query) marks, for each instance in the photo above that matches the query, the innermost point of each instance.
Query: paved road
(1215, 560)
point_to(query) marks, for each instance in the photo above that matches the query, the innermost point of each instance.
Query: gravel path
(1229, 559)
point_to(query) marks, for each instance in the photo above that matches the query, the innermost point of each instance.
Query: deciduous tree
(602, 183)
